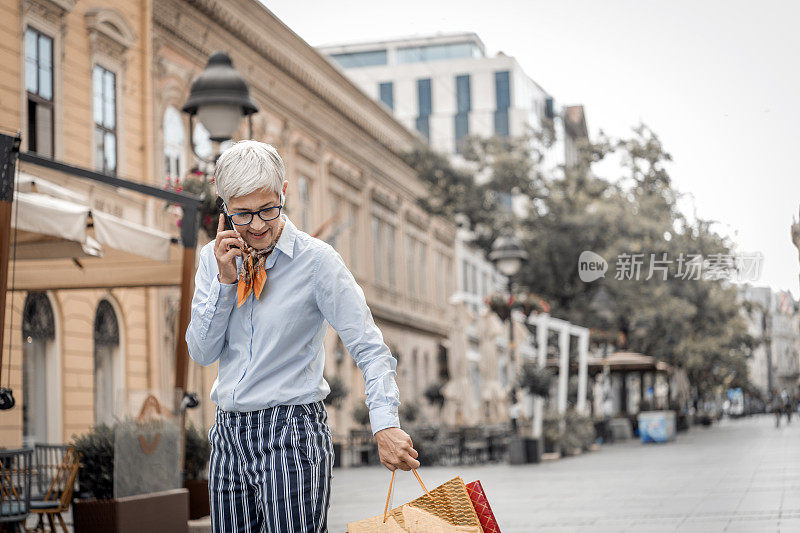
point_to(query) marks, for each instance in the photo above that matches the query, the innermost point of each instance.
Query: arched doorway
(39, 372)
(107, 364)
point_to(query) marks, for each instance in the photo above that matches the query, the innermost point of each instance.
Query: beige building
(119, 73)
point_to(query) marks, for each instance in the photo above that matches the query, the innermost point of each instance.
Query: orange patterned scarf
(253, 274)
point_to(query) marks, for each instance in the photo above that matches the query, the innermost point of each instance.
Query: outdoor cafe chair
(58, 497)
(47, 459)
(15, 487)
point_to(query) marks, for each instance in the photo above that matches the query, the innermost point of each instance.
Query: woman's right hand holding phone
(228, 245)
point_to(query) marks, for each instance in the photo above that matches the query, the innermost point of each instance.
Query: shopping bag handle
(391, 483)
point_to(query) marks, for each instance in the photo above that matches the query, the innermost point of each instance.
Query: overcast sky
(717, 80)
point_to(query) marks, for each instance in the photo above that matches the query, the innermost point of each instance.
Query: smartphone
(221, 209)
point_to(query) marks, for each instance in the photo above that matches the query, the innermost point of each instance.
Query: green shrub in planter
(551, 429)
(198, 452)
(409, 412)
(535, 379)
(96, 449)
(361, 414)
(338, 392)
(434, 394)
(161, 512)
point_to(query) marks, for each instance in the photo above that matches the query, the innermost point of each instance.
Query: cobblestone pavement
(739, 475)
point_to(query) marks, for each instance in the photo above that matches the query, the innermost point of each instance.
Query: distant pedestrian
(513, 413)
(788, 405)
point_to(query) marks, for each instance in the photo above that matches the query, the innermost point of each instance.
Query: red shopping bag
(482, 507)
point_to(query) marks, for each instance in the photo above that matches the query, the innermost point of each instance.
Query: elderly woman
(263, 293)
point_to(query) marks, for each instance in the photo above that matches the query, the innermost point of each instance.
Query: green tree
(695, 324)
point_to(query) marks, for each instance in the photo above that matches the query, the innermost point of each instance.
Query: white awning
(52, 215)
(130, 237)
(30, 183)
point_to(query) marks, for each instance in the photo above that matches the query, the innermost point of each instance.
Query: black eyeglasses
(246, 217)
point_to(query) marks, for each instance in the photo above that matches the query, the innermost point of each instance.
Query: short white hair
(246, 167)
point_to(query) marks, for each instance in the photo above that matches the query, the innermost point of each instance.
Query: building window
(39, 90)
(174, 139)
(423, 268)
(353, 237)
(106, 363)
(435, 52)
(464, 106)
(437, 267)
(386, 90)
(104, 83)
(475, 380)
(473, 270)
(390, 253)
(415, 374)
(303, 190)
(502, 368)
(425, 105)
(377, 247)
(202, 145)
(464, 275)
(448, 278)
(411, 251)
(443, 367)
(368, 58)
(336, 207)
(38, 336)
(502, 87)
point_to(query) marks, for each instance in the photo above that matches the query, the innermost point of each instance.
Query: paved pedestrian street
(738, 475)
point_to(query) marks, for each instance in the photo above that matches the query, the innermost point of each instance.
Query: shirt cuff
(227, 291)
(383, 417)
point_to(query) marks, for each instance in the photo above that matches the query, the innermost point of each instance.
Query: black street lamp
(602, 305)
(508, 256)
(220, 98)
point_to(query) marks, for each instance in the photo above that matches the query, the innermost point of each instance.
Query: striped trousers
(270, 470)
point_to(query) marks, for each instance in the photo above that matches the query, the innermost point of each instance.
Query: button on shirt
(270, 350)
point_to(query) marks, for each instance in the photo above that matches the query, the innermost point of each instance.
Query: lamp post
(508, 256)
(220, 98)
(602, 305)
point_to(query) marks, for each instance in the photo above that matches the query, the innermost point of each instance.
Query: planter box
(602, 430)
(621, 428)
(532, 450)
(157, 512)
(523, 451)
(199, 505)
(657, 426)
(337, 455)
(550, 446)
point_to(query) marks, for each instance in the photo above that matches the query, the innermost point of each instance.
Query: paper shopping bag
(482, 508)
(445, 509)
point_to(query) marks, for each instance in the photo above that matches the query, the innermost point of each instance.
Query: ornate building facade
(100, 85)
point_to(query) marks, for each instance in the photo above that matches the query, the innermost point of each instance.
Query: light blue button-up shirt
(270, 350)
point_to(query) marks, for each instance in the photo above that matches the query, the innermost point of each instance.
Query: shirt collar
(288, 235)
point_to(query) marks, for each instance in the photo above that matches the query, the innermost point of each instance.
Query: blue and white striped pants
(270, 470)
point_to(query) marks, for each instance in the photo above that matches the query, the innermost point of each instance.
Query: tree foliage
(695, 324)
